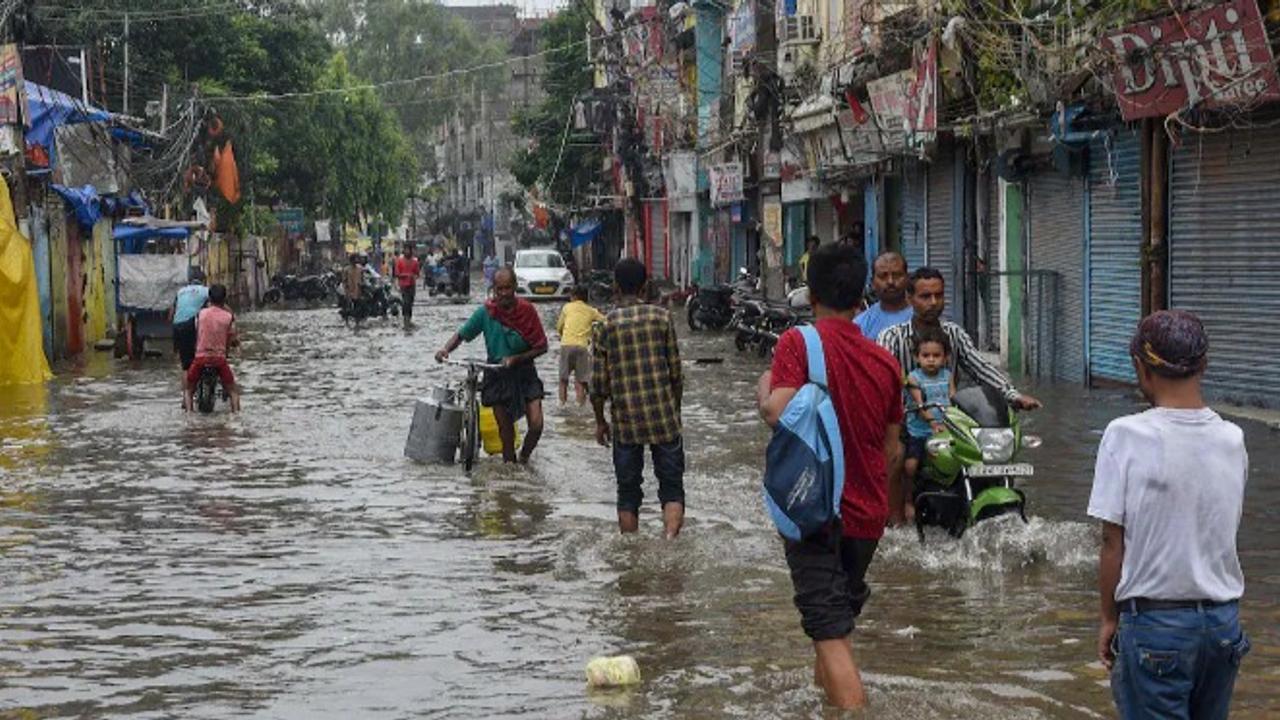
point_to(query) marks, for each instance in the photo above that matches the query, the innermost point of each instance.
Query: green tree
(557, 159)
(391, 40)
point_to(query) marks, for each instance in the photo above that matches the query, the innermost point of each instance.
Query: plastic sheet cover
(22, 357)
(150, 282)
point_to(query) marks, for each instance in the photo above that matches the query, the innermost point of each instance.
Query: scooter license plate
(1016, 470)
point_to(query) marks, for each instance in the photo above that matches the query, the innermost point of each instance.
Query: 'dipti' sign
(1211, 57)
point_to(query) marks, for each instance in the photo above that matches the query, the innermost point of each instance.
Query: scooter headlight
(996, 444)
(1032, 441)
(937, 445)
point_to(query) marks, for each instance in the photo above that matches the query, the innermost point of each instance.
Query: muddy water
(290, 563)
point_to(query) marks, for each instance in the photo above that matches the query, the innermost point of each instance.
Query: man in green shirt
(513, 337)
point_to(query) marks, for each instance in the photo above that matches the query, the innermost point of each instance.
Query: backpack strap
(817, 358)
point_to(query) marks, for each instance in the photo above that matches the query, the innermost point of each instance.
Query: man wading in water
(1169, 488)
(865, 384)
(636, 370)
(513, 337)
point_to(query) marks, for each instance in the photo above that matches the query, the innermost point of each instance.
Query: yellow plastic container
(489, 437)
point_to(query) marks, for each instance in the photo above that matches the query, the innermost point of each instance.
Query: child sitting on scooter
(931, 387)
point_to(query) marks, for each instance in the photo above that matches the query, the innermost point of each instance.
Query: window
(479, 149)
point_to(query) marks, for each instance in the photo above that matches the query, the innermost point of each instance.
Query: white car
(541, 274)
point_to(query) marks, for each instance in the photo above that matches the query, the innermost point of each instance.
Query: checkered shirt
(636, 367)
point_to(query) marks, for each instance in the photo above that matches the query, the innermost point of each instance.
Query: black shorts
(184, 341)
(828, 572)
(512, 389)
(917, 448)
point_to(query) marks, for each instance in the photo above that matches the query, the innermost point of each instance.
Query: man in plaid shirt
(636, 369)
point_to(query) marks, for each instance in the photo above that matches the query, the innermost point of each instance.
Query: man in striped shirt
(926, 290)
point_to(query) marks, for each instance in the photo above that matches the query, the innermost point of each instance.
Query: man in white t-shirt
(1168, 488)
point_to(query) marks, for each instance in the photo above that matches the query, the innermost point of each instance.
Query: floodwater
(291, 563)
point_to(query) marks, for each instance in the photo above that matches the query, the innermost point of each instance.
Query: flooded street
(291, 563)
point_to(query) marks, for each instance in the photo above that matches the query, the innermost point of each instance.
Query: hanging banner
(1208, 58)
(726, 183)
(771, 214)
(13, 99)
(922, 97)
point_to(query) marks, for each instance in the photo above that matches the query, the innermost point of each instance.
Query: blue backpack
(804, 463)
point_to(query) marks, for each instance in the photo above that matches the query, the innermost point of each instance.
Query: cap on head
(1172, 343)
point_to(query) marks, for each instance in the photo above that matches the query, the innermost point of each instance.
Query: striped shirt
(898, 341)
(636, 367)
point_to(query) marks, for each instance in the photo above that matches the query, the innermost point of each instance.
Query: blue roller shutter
(913, 240)
(1115, 254)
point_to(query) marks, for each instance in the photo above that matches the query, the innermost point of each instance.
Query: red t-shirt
(865, 383)
(406, 270)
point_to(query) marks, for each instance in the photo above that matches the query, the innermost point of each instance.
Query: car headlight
(567, 277)
(996, 443)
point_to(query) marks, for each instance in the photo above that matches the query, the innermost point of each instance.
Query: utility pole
(164, 109)
(126, 63)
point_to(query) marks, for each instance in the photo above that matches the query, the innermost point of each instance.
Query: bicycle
(469, 437)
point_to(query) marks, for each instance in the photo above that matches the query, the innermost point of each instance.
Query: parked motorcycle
(599, 287)
(311, 288)
(969, 472)
(712, 308)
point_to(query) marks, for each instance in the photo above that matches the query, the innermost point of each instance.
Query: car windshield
(539, 260)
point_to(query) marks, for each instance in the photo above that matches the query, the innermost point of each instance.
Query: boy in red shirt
(865, 384)
(407, 270)
(215, 332)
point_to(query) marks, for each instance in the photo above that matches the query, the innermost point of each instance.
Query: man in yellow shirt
(574, 328)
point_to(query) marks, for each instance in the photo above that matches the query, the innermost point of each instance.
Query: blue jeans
(668, 466)
(1177, 664)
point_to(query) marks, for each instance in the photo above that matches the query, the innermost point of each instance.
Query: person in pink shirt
(215, 333)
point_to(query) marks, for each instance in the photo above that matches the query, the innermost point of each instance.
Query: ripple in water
(996, 545)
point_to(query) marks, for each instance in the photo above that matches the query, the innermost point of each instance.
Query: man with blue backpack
(834, 399)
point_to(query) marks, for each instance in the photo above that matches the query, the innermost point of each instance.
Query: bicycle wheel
(470, 435)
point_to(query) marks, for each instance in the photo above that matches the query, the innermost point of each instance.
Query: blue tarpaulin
(133, 239)
(586, 231)
(84, 200)
(51, 109)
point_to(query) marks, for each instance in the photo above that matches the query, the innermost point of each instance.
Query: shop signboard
(1218, 56)
(726, 183)
(13, 100)
(291, 220)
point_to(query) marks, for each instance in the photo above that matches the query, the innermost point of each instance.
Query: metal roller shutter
(941, 181)
(1115, 253)
(913, 179)
(659, 230)
(992, 256)
(1224, 253)
(1055, 322)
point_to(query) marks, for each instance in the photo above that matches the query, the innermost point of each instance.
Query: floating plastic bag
(613, 671)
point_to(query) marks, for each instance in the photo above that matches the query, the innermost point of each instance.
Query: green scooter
(969, 471)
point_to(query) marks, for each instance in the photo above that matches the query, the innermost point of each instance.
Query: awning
(585, 231)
